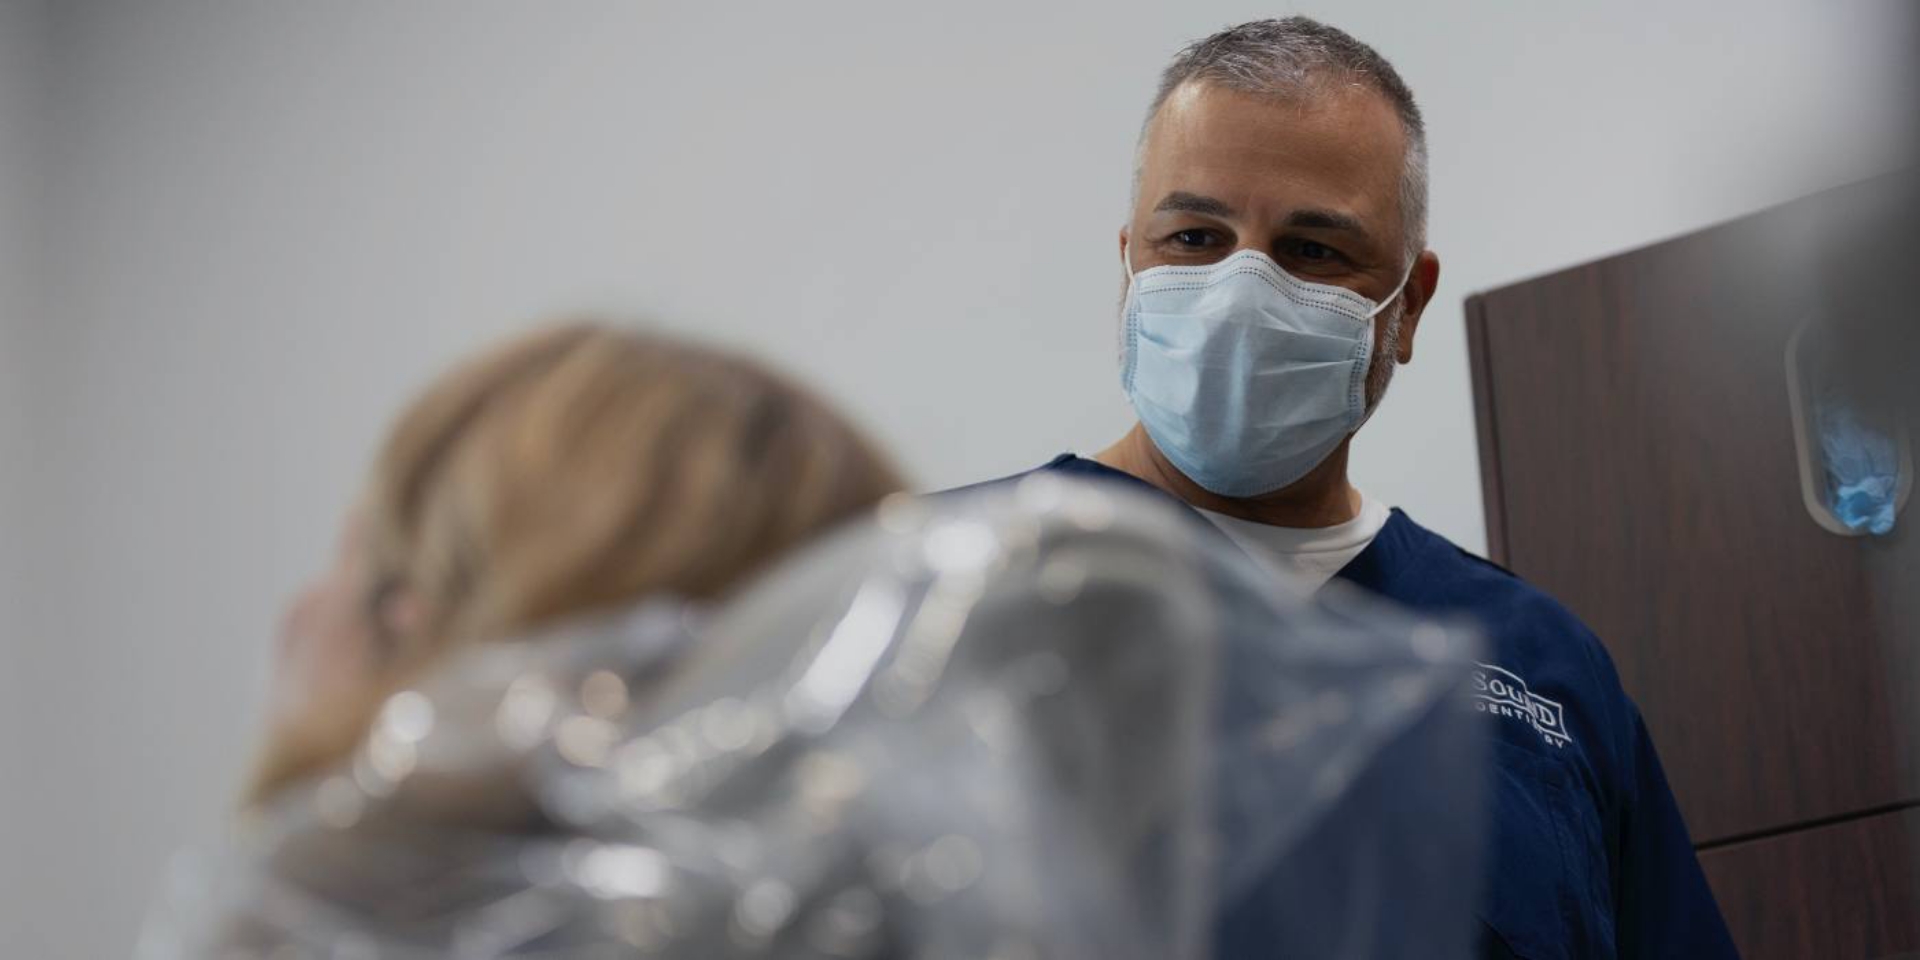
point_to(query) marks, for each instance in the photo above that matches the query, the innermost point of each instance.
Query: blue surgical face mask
(1245, 376)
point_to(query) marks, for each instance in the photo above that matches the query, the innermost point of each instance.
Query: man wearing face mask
(1277, 273)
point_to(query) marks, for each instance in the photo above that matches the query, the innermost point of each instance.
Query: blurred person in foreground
(569, 471)
(1276, 273)
(553, 701)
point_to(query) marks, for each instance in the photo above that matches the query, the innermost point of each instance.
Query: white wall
(22, 46)
(274, 219)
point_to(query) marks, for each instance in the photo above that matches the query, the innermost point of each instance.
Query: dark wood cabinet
(1639, 459)
(1843, 890)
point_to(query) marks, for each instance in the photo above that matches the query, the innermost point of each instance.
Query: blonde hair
(574, 470)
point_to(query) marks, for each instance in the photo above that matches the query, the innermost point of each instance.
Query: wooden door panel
(1844, 891)
(1640, 466)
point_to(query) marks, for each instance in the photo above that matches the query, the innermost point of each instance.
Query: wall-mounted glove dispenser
(1856, 462)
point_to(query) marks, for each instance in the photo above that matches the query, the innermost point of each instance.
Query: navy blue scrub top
(1588, 857)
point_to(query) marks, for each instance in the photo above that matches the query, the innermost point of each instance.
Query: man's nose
(1254, 246)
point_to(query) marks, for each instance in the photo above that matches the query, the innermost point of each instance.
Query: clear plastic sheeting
(1044, 720)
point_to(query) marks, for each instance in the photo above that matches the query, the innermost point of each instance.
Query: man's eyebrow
(1313, 219)
(1184, 202)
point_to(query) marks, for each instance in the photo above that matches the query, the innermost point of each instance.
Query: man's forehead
(1338, 143)
(1322, 111)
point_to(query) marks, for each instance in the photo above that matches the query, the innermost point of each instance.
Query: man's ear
(1421, 284)
(1123, 247)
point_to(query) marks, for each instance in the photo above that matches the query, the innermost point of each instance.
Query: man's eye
(1309, 250)
(1192, 238)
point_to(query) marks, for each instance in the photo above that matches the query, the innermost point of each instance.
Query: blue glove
(1863, 468)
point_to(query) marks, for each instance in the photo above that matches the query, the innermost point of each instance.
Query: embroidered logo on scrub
(1503, 694)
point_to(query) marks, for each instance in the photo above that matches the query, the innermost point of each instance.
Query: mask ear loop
(1123, 344)
(1377, 310)
(1397, 291)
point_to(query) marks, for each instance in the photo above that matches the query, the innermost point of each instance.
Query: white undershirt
(1305, 559)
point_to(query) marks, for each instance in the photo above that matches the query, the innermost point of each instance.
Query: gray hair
(1297, 57)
